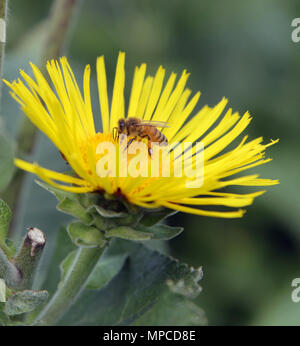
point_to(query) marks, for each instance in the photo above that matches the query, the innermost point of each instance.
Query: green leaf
(128, 233)
(24, 301)
(87, 236)
(106, 269)
(5, 217)
(162, 232)
(4, 319)
(141, 287)
(11, 247)
(72, 207)
(2, 291)
(66, 265)
(7, 161)
(188, 284)
(172, 310)
(63, 246)
(152, 217)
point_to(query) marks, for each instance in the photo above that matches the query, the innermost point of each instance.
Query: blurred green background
(238, 49)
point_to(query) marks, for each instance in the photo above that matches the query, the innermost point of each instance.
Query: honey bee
(141, 128)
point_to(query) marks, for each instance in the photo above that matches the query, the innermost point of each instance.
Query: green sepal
(24, 301)
(105, 208)
(85, 236)
(127, 233)
(59, 194)
(100, 222)
(109, 213)
(117, 218)
(153, 216)
(72, 207)
(161, 231)
(140, 232)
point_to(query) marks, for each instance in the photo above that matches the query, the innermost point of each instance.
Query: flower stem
(3, 15)
(73, 284)
(60, 18)
(59, 22)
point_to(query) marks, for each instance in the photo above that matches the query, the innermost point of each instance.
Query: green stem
(28, 256)
(3, 16)
(59, 21)
(72, 285)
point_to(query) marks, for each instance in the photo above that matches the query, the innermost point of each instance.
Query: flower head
(65, 115)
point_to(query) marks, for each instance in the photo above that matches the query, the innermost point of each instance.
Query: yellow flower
(66, 117)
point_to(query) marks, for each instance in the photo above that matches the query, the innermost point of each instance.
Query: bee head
(121, 125)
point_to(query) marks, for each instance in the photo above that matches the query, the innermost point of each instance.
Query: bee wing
(162, 124)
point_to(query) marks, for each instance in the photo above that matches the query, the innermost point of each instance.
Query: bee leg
(130, 141)
(150, 151)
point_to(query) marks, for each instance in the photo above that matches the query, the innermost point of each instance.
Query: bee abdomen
(162, 138)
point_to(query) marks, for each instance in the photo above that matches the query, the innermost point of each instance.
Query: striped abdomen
(154, 135)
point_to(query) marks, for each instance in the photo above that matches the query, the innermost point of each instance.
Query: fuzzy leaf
(24, 301)
(10, 246)
(4, 319)
(72, 207)
(128, 233)
(172, 310)
(141, 288)
(83, 235)
(63, 246)
(106, 269)
(188, 284)
(2, 291)
(5, 217)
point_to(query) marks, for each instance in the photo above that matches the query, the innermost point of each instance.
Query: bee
(141, 128)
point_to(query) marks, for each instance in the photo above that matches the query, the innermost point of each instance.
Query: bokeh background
(238, 49)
